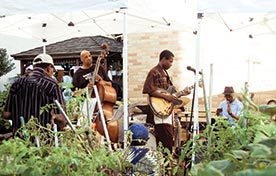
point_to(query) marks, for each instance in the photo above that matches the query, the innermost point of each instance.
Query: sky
(15, 45)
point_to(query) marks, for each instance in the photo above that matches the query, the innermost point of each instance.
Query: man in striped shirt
(29, 94)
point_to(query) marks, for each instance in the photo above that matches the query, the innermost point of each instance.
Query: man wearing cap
(231, 107)
(142, 158)
(29, 94)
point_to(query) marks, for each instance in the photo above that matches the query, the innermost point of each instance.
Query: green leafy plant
(4, 124)
(243, 150)
(23, 157)
(5, 64)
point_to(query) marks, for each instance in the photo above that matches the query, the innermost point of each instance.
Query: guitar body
(112, 126)
(108, 98)
(160, 107)
(107, 93)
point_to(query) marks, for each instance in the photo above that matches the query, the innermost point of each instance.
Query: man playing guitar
(157, 78)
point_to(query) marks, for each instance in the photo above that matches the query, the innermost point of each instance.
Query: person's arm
(57, 117)
(167, 97)
(7, 108)
(151, 88)
(9, 103)
(230, 113)
(220, 109)
(6, 115)
(75, 80)
(234, 116)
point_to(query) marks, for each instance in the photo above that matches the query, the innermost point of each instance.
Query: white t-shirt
(167, 120)
(236, 108)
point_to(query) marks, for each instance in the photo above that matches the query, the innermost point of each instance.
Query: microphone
(193, 70)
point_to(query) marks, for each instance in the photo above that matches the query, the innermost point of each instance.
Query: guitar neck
(96, 69)
(180, 93)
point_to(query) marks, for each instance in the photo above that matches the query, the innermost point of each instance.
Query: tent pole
(196, 126)
(210, 92)
(44, 48)
(125, 76)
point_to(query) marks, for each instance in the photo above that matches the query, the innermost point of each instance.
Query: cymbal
(185, 101)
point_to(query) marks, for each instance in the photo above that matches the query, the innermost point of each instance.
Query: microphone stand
(188, 133)
(188, 130)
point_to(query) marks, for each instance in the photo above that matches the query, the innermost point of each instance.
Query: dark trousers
(164, 134)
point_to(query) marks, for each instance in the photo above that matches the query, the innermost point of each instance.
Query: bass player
(157, 78)
(87, 67)
(107, 93)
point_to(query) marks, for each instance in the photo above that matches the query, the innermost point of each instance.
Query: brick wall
(143, 54)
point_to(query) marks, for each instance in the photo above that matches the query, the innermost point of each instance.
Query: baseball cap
(139, 131)
(43, 58)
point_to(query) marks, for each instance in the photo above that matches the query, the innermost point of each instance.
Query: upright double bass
(108, 97)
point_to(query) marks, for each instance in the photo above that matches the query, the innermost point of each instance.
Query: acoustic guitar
(161, 107)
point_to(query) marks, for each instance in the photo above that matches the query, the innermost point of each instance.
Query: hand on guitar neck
(98, 80)
(187, 91)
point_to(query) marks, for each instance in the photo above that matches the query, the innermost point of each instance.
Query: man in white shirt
(231, 107)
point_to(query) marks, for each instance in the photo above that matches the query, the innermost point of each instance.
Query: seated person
(231, 107)
(142, 158)
(272, 103)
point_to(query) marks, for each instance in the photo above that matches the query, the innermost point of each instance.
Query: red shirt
(157, 78)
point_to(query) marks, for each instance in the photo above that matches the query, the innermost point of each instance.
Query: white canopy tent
(106, 18)
(49, 20)
(68, 18)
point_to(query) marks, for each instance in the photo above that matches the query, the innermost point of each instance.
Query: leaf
(260, 151)
(242, 122)
(255, 172)
(260, 137)
(268, 109)
(240, 154)
(271, 142)
(21, 169)
(209, 170)
(265, 132)
(221, 164)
